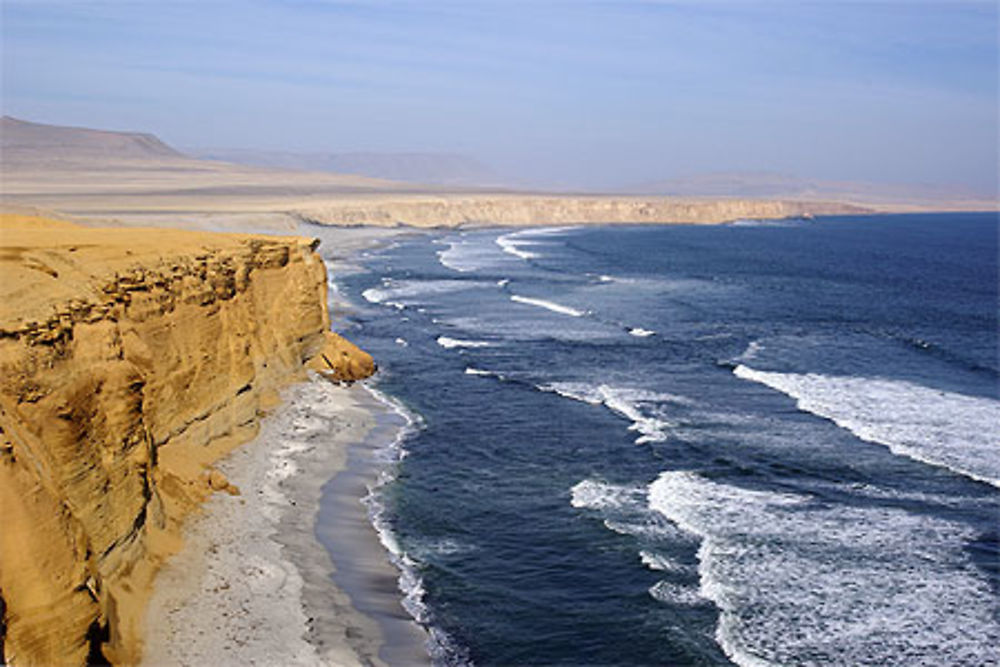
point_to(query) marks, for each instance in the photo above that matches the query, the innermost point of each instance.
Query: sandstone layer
(130, 361)
(499, 209)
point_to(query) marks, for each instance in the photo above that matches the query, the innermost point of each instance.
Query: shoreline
(292, 571)
(253, 584)
(363, 568)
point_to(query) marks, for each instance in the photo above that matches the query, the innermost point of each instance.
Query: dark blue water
(760, 443)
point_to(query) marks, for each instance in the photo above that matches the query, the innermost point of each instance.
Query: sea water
(752, 443)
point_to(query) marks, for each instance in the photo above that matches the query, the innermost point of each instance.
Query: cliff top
(46, 264)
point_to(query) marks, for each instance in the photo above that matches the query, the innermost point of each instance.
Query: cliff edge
(451, 210)
(130, 360)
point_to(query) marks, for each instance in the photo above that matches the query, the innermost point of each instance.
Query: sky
(570, 93)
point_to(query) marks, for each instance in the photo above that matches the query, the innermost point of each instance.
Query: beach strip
(252, 584)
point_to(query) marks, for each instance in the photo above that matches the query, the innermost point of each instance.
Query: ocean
(768, 442)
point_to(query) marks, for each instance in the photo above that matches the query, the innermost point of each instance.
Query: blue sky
(578, 93)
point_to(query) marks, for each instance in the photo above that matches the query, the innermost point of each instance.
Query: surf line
(548, 305)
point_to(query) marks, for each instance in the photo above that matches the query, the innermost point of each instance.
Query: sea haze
(760, 443)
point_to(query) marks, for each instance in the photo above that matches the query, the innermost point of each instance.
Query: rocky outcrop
(452, 210)
(130, 360)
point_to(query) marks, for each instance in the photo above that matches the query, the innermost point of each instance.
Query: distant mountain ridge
(429, 168)
(22, 140)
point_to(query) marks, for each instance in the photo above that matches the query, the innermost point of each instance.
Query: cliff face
(129, 361)
(451, 210)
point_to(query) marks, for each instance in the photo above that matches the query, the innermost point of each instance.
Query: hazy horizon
(587, 94)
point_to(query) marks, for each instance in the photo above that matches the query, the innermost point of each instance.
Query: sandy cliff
(130, 360)
(516, 209)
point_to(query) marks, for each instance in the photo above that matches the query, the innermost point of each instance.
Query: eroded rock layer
(515, 209)
(130, 360)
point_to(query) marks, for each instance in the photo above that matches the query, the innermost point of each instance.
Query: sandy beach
(253, 585)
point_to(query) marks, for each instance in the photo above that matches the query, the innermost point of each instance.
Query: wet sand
(362, 568)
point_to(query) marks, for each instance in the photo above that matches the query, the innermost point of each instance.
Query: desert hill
(24, 141)
(128, 177)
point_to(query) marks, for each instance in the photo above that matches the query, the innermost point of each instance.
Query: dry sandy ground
(196, 194)
(176, 192)
(130, 178)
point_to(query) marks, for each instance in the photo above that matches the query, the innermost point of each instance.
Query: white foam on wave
(798, 581)
(624, 509)
(643, 526)
(431, 549)
(513, 246)
(400, 293)
(548, 305)
(753, 349)
(451, 258)
(677, 594)
(643, 408)
(639, 332)
(594, 494)
(515, 243)
(374, 295)
(604, 279)
(480, 372)
(867, 490)
(660, 563)
(465, 254)
(940, 428)
(450, 343)
(775, 222)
